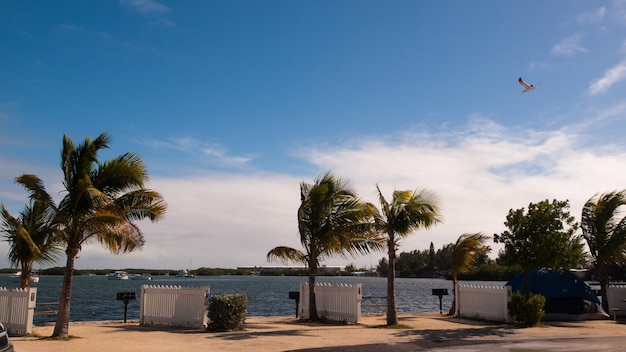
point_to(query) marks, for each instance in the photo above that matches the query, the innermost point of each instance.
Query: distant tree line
(429, 263)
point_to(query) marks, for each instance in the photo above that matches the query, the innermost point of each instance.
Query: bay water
(94, 297)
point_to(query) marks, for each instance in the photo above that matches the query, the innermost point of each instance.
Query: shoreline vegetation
(487, 272)
(484, 272)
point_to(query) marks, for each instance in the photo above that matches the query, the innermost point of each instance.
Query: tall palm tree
(466, 250)
(332, 220)
(31, 238)
(101, 204)
(408, 211)
(604, 229)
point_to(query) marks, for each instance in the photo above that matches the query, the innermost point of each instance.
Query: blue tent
(568, 297)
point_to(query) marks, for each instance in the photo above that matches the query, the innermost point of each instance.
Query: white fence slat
(341, 302)
(483, 302)
(615, 295)
(174, 306)
(17, 308)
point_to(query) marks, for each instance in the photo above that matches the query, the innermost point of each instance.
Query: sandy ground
(421, 332)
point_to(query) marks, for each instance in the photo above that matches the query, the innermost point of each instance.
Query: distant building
(323, 269)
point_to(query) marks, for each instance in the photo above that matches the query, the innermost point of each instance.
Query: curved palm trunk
(392, 316)
(25, 275)
(61, 328)
(312, 305)
(604, 283)
(452, 310)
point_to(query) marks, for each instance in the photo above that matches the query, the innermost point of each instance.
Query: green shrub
(227, 312)
(527, 311)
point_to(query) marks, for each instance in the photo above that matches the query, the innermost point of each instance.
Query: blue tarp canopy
(552, 284)
(568, 297)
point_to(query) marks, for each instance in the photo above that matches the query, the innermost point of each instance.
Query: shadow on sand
(425, 339)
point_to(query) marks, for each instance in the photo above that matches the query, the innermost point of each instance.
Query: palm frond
(604, 227)
(34, 185)
(465, 251)
(286, 255)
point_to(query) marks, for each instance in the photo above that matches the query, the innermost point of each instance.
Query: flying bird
(527, 87)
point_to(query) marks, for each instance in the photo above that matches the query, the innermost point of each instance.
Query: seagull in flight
(527, 87)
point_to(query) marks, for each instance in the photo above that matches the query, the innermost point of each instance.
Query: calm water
(94, 297)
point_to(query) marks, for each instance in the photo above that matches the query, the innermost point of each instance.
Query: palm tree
(408, 211)
(31, 238)
(332, 220)
(466, 250)
(604, 229)
(101, 204)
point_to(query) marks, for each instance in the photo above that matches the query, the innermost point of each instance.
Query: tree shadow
(425, 339)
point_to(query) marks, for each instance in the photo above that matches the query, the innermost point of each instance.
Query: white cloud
(618, 12)
(600, 117)
(229, 220)
(611, 77)
(210, 152)
(145, 6)
(538, 66)
(150, 8)
(569, 46)
(479, 171)
(592, 16)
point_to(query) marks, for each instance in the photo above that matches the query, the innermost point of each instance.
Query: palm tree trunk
(604, 283)
(61, 327)
(452, 310)
(392, 316)
(312, 305)
(25, 275)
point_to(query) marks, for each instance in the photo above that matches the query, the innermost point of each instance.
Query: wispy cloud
(592, 16)
(205, 151)
(618, 12)
(538, 65)
(150, 8)
(145, 7)
(599, 117)
(611, 77)
(569, 46)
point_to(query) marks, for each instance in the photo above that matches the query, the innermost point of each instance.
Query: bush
(227, 312)
(528, 311)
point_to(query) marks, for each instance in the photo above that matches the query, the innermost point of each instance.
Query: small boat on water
(185, 273)
(34, 278)
(140, 277)
(117, 275)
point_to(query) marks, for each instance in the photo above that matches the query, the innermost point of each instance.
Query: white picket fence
(615, 295)
(17, 308)
(483, 302)
(339, 302)
(174, 306)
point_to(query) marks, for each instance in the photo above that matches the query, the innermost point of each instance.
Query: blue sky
(233, 103)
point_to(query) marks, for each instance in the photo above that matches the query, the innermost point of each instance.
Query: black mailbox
(440, 291)
(123, 296)
(295, 295)
(126, 297)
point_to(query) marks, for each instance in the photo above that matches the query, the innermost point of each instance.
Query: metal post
(440, 305)
(440, 292)
(295, 295)
(125, 309)
(126, 297)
